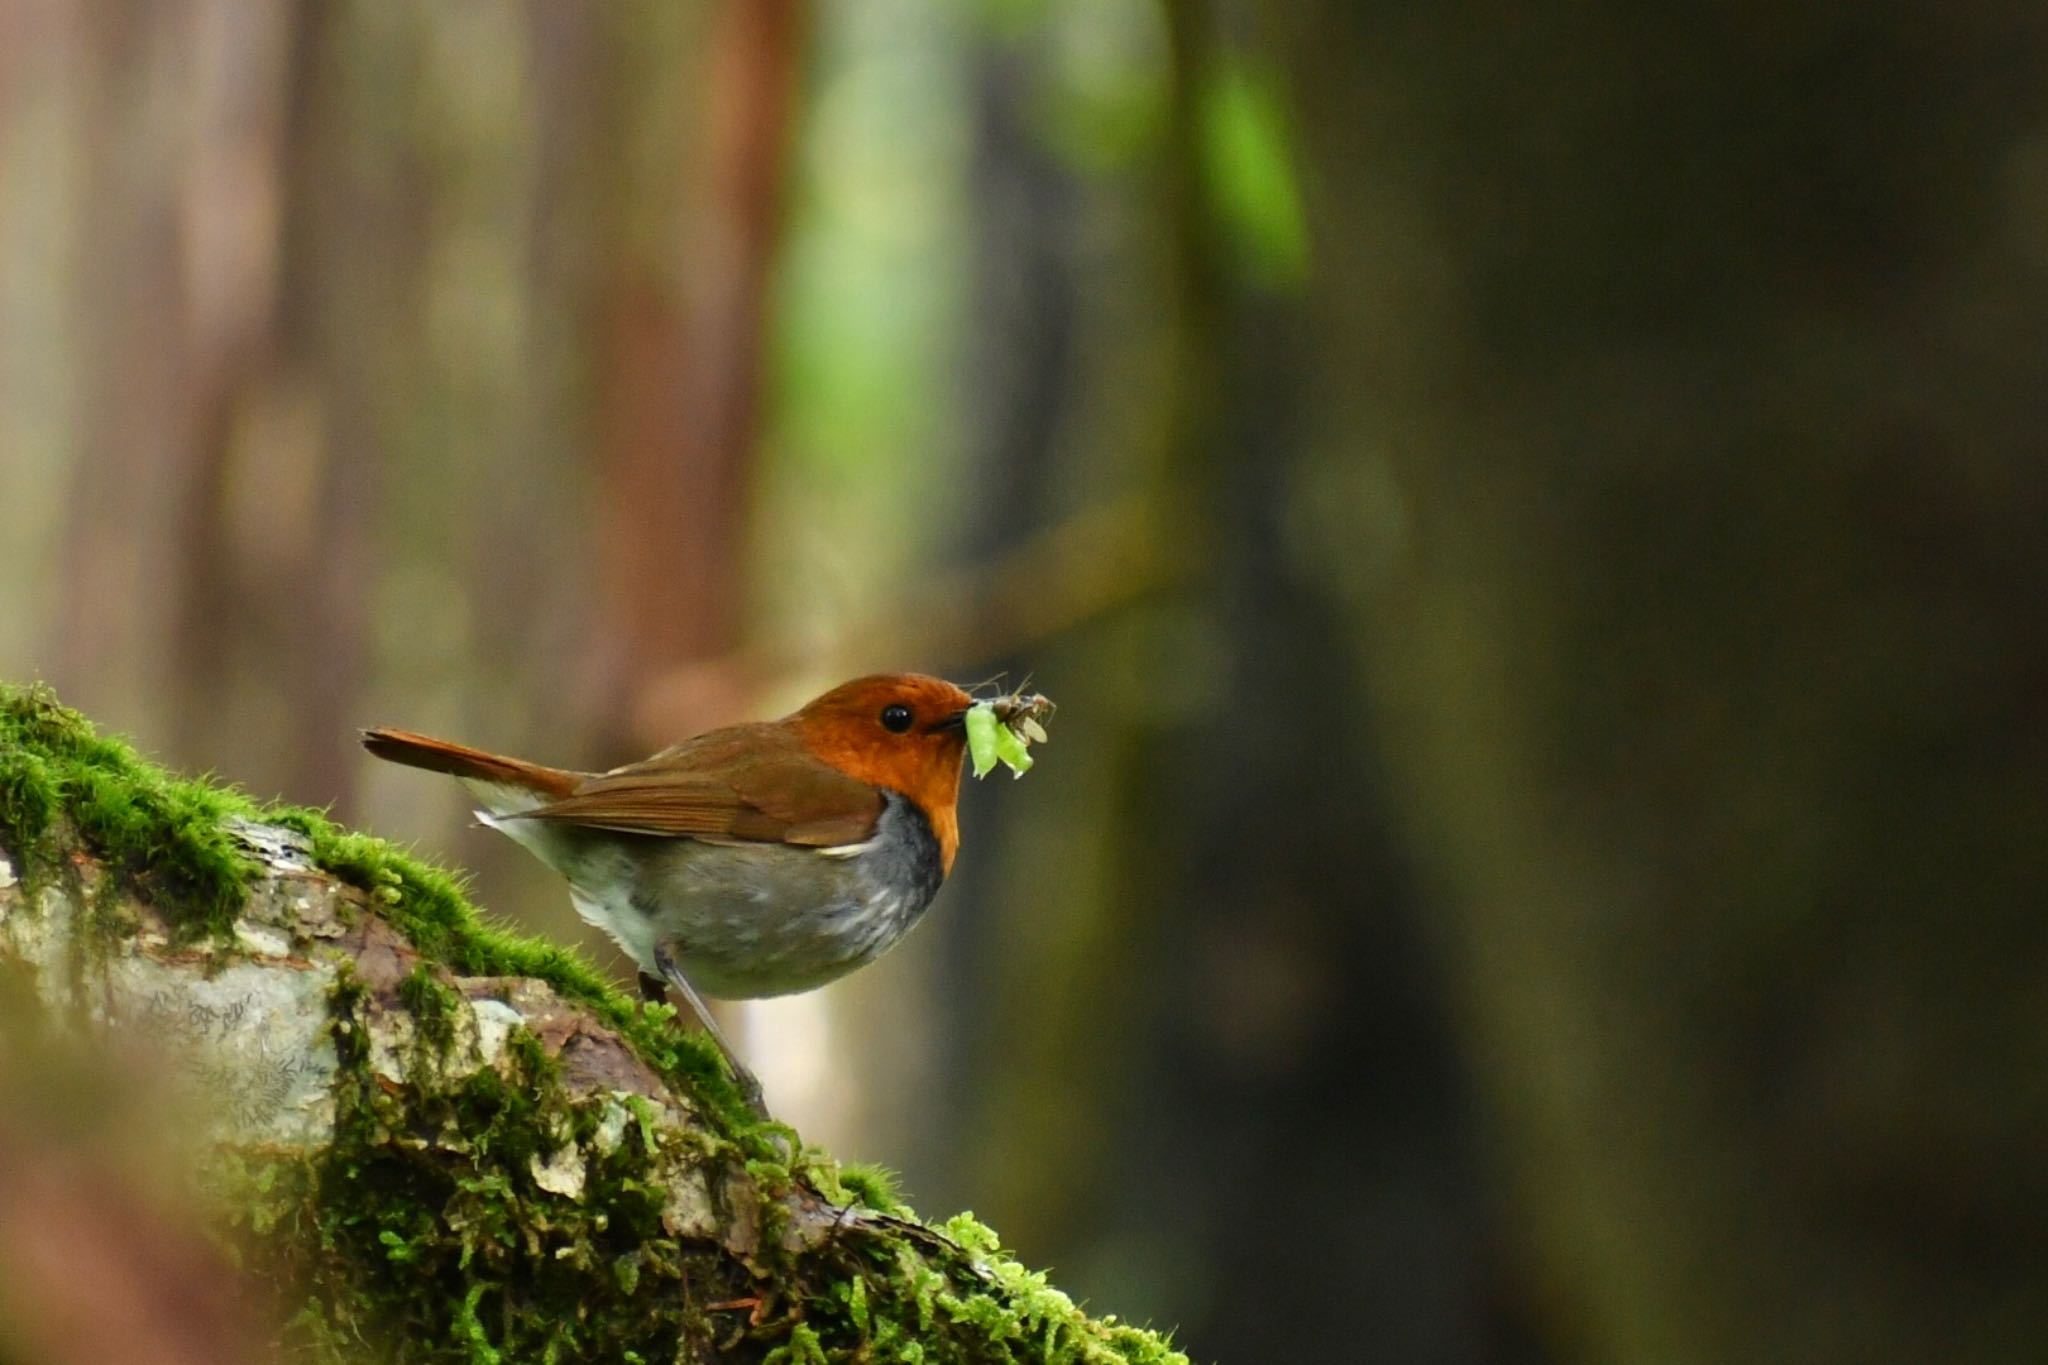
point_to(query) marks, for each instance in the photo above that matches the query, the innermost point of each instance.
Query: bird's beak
(955, 721)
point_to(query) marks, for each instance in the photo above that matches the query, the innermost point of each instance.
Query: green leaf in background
(982, 730)
(1250, 172)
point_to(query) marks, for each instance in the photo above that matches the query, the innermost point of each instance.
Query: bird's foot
(750, 1090)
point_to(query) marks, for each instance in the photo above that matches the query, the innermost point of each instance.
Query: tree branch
(437, 1141)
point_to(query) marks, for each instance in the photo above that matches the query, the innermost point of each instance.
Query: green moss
(29, 798)
(872, 1186)
(427, 905)
(424, 1231)
(433, 1005)
(160, 836)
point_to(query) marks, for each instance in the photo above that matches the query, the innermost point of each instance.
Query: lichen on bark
(435, 1141)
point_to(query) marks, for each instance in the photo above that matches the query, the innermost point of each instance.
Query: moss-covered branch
(434, 1140)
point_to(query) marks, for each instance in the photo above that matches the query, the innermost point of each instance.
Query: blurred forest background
(1536, 519)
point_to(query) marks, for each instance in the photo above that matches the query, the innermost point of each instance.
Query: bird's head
(903, 731)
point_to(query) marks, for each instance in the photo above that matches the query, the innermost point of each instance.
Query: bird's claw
(750, 1091)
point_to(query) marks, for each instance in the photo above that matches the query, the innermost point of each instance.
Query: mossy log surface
(433, 1140)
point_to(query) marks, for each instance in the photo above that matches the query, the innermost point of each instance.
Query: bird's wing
(749, 784)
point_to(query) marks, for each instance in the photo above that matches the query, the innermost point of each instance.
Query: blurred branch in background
(1056, 581)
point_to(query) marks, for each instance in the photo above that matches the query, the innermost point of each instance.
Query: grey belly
(751, 922)
(748, 920)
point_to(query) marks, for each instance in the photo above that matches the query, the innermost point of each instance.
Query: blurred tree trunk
(1688, 368)
(139, 425)
(223, 499)
(685, 359)
(419, 344)
(1159, 1001)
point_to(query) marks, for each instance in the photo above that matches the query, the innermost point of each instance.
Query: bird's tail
(471, 765)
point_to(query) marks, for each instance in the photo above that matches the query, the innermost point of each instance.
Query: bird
(755, 860)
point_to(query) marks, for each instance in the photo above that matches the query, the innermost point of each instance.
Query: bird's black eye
(896, 718)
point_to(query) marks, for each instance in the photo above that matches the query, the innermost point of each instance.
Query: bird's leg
(749, 1087)
(653, 989)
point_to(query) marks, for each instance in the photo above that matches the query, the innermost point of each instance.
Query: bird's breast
(752, 920)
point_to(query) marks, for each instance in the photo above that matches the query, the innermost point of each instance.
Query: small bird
(751, 861)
